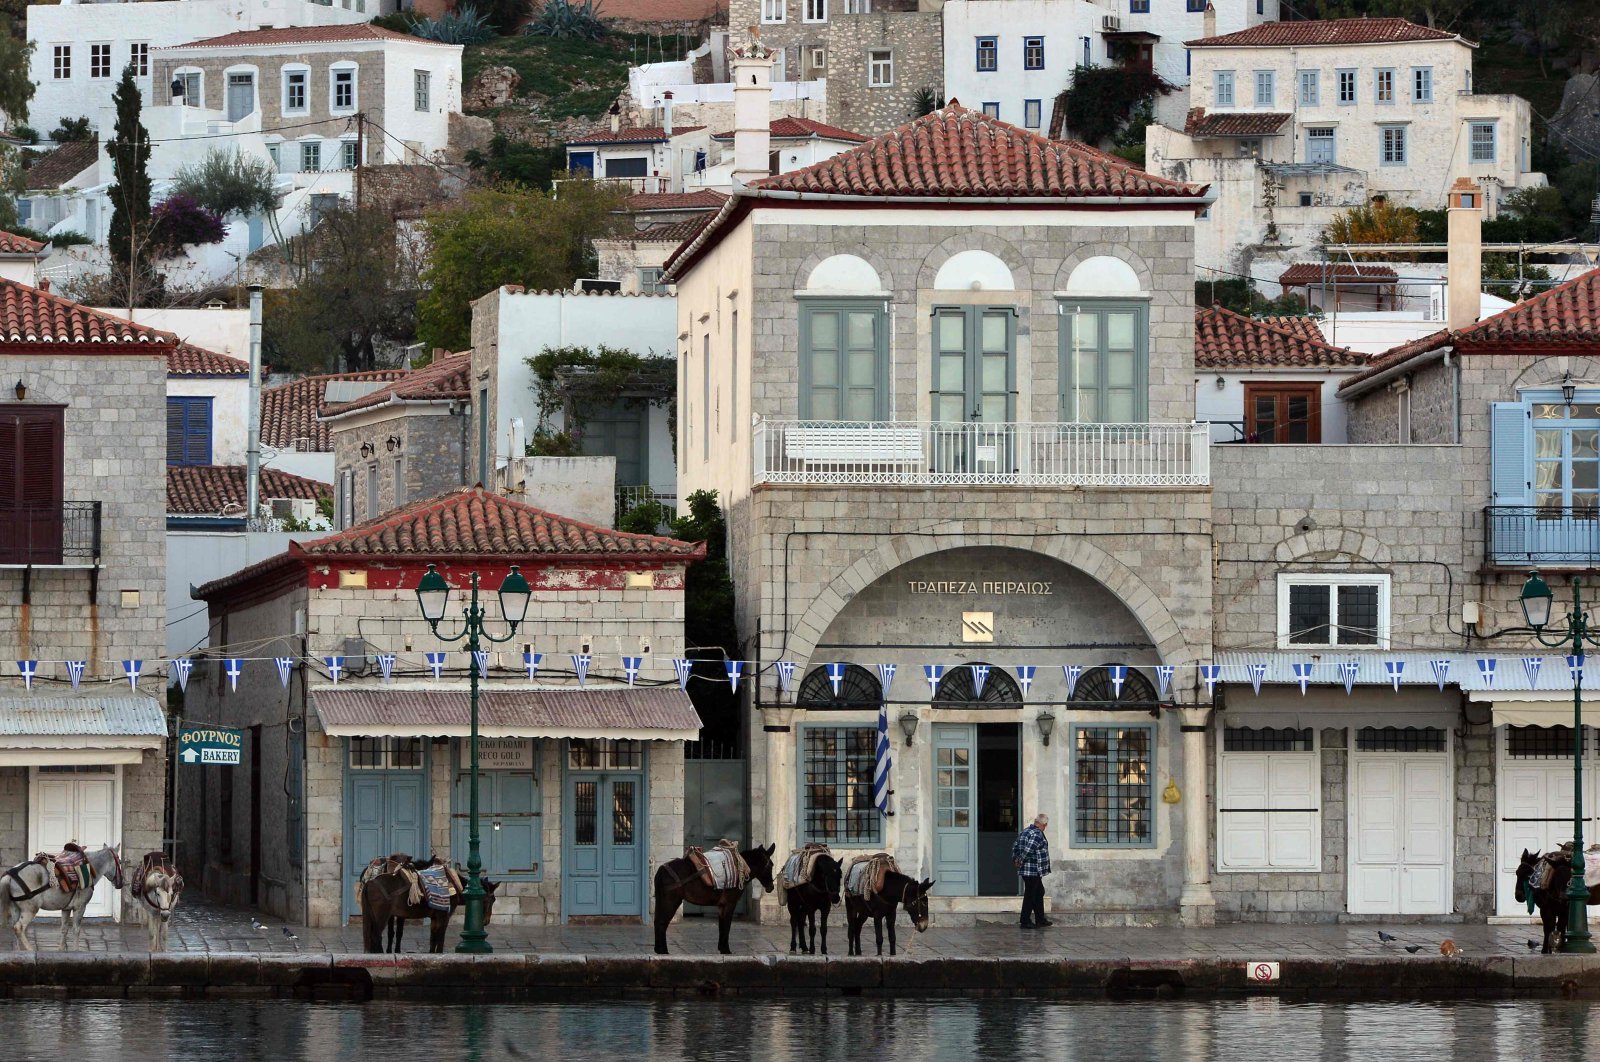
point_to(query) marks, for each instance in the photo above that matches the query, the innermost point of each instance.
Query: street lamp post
(433, 595)
(1536, 604)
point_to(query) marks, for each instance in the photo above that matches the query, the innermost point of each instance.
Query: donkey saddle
(722, 867)
(71, 867)
(154, 861)
(865, 874)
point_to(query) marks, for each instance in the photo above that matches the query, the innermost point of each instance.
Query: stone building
(359, 750)
(83, 561)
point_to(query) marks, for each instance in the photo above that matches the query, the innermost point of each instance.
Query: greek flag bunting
(1486, 671)
(580, 664)
(785, 675)
(531, 661)
(1025, 673)
(1395, 669)
(886, 678)
(630, 668)
(335, 665)
(27, 669)
(234, 666)
(285, 665)
(735, 672)
(386, 665)
(480, 657)
(1348, 670)
(435, 663)
(684, 668)
(1441, 671)
(933, 673)
(1119, 676)
(1257, 673)
(1164, 673)
(75, 671)
(1575, 669)
(1211, 674)
(980, 675)
(1531, 666)
(1302, 675)
(131, 668)
(1071, 672)
(881, 764)
(835, 674)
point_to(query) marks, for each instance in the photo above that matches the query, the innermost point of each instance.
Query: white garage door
(1401, 836)
(77, 804)
(1534, 769)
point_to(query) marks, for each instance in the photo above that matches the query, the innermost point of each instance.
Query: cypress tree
(130, 192)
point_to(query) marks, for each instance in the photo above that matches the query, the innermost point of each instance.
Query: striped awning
(648, 713)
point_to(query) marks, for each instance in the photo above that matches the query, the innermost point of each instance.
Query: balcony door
(1566, 479)
(974, 388)
(30, 484)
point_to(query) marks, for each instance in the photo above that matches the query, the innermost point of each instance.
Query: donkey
(157, 884)
(897, 891)
(1551, 900)
(678, 881)
(805, 898)
(385, 902)
(28, 888)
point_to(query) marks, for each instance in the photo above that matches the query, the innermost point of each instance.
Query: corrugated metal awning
(650, 713)
(37, 730)
(1537, 707)
(1416, 669)
(1321, 707)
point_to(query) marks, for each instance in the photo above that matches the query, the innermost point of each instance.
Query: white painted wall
(230, 405)
(314, 464)
(225, 331)
(792, 155)
(21, 270)
(430, 128)
(194, 558)
(1226, 403)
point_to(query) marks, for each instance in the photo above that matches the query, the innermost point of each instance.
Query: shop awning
(1322, 707)
(647, 713)
(1537, 708)
(79, 730)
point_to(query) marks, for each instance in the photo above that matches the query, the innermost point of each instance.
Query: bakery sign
(1002, 588)
(505, 754)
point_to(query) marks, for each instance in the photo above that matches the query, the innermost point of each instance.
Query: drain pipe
(252, 471)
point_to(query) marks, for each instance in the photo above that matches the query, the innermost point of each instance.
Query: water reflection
(806, 1030)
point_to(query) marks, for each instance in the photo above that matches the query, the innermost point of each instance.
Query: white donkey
(157, 884)
(28, 888)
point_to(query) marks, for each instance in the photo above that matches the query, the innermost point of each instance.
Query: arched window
(1095, 685)
(859, 689)
(956, 688)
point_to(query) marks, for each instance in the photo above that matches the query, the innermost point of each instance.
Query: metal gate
(713, 803)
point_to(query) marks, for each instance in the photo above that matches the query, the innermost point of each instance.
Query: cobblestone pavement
(199, 926)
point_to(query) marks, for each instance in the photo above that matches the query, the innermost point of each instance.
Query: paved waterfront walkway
(202, 927)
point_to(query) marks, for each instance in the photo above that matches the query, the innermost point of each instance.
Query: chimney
(44, 284)
(666, 113)
(1209, 22)
(1465, 271)
(616, 118)
(252, 462)
(752, 112)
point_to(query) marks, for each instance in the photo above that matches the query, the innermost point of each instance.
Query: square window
(773, 11)
(1138, 7)
(1347, 87)
(1196, 5)
(1383, 86)
(992, 109)
(1033, 53)
(99, 60)
(1422, 84)
(1333, 610)
(880, 68)
(1310, 88)
(1222, 92)
(1305, 199)
(61, 65)
(139, 56)
(1481, 142)
(311, 156)
(294, 91)
(1032, 112)
(421, 84)
(1113, 786)
(1266, 86)
(344, 90)
(988, 54)
(1393, 145)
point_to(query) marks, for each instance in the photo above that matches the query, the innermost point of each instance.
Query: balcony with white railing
(958, 453)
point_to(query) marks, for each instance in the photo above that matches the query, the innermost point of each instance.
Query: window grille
(1095, 685)
(1266, 739)
(599, 754)
(859, 688)
(1542, 742)
(955, 689)
(1114, 786)
(1399, 739)
(836, 793)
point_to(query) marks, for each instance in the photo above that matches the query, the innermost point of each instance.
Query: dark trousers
(1032, 900)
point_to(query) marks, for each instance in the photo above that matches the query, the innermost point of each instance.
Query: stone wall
(13, 815)
(429, 455)
(1375, 418)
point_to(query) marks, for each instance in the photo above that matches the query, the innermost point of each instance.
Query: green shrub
(465, 26)
(70, 130)
(564, 20)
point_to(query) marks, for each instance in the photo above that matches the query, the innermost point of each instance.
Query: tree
(1237, 294)
(1376, 222)
(16, 87)
(71, 130)
(178, 221)
(708, 617)
(1103, 99)
(517, 161)
(129, 149)
(227, 181)
(1517, 278)
(508, 235)
(355, 291)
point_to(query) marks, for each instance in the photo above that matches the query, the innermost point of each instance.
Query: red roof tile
(189, 360)
(1227, 340)
(1391, 358)
(11, 243)
(28, 315)
(672, 232)
(476, 522)
(1233, 123)
(1304, 326)
(659, 10)
(289, 411)
(1324, 32)
(219, 490)
(1302, 273)
(705, 199)
(804, 129)
(957, 152)
(448, 377)
(632, 134)
(270, 38)
(660, 712)
(60, 166)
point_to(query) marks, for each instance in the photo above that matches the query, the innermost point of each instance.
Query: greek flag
(386, 665)
(735, 670)
(785, 675)
(480, 657)
(934, 673)
(1257, 673)
(27, 669)
(233, 666)
(886, 678)
(75, 671)
(1119, 675)
(131, 668)
(1164, 673)
(836, 677)
(980, 675)
(630, 667)
(1395, 668)
(1348, 670)
(1025, 673)
(1441, 671)
(684, 668)
(285, 665)
(1575, 669)
(435, 663)
(1211, 674)
(530, 661)
(1072, 672)
(1531, 665)
(580, 664)
(1302, 675)
(335, 667)
(880, 767)
(1486, 666)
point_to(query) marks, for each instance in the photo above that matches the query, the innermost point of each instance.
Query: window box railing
(954, 453)
(64, 533)
(1542, 535)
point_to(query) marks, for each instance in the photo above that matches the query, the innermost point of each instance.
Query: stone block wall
(434, 455)
(1375, 418)
(13, 815)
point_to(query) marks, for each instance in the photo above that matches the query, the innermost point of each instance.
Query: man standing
(1031, 856)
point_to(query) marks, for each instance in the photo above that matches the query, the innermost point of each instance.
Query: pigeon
(255, 923)
(1533, 945)
(1413, 948)
(288, 934)
(1387, 938)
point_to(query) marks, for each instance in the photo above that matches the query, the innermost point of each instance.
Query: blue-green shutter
(1511, 482)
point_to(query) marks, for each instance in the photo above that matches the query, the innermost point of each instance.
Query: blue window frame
(1222, 94)
(1422, 84)
(1383, 87)
(1392, 145)
(1032, 112)
(1113, 786)
(1481, 142)
(1138, 7)
(1545, 479)
(992, 109)
(189, 431)
(1310, 88)
(1033, 53)
(1197, 5)
(1266, 87)
(988, 54)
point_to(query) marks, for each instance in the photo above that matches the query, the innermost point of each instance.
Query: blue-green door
(955, 821)
(385, 805)
(604, 849)
(508, 815)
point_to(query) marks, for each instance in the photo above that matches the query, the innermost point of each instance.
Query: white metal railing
(634, 185)
(1040, 454)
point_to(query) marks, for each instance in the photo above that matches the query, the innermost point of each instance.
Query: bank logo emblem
(977, 626)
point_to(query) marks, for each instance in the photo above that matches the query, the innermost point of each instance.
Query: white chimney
(616, 118)
(752, 112)
(1465, 271)
(1209, 22)
(666, 113)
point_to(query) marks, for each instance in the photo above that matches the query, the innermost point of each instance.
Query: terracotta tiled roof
(219, 490)
(1389, 359)
(1233, 123)
(673, 232)
(11, 243)
(448, 377)
(658, 712)
(804, 129)
(289, 411)
(476, 522)
(189, 360)
(358, 33)
(659, 10)
(1302, 273)
(1325, 31)
(632, 134)
(1227, 340)
(705, 199)
(60, 166)
(957, 152)
(1304, 326)
(28, 315)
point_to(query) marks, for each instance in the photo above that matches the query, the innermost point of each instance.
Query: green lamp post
(433, 595)
(1536, 606)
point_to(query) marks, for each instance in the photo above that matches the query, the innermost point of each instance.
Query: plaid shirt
(1032, 850)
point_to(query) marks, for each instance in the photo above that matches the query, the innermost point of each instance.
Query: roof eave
(1355, 388)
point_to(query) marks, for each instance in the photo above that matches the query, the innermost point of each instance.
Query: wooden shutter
(174, 432)
(1242, 824)
(188, 431)
(31, 440)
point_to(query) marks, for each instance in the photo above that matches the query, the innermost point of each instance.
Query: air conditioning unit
(303, 510)
(1110, 24)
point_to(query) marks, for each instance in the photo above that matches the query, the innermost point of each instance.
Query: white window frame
(1309, 80)
(334, 106)
(422, 90)
(813, 10)
(289, 70)
(880, 67)
(97, 50)
(305, 146)
(1218, 80)
(61, 62)
(1472, 142)
(774, 12)
(139, 58)
(1333, 581)
(1225, 809)
(1268, 80)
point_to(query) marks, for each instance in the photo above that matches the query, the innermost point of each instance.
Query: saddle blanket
(799, 867)
(866, 873)
(724, 867)
(437, 885)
